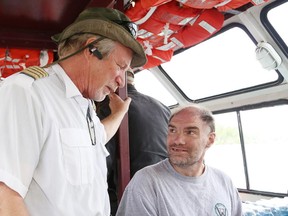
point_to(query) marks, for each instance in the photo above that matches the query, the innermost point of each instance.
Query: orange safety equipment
(14, 60)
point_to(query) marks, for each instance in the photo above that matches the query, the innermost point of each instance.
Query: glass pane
(276, 17)
(222, 64)
(147, 83)
(266, 144)
(226, 154)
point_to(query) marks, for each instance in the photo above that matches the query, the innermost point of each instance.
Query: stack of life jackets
(169, 25)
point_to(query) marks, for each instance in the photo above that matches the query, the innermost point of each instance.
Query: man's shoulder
(35, 72)
(147, 175)
(219, 173)
(147, 100)
(24, 79)
(150, 170)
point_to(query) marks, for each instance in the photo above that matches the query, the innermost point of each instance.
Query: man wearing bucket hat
(52, 153)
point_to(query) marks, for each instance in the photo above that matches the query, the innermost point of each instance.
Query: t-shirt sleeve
(237, 203)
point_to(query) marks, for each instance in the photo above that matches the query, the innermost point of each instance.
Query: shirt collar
(71, 89)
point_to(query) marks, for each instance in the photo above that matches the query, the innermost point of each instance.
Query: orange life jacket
(206, 4)
(172, 25)
(207, 24)
(14, 60)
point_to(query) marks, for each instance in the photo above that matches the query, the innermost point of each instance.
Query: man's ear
(211, 139)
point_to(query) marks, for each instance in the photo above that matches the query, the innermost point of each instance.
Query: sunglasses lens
(131, 27)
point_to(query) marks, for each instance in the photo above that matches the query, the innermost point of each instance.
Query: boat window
(265, 143)
(276, 16)
(147, 83)
(222, 64)
(226, 154)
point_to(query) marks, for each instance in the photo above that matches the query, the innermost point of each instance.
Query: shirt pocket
(78, 156)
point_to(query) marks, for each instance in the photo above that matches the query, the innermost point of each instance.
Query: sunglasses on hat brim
(131, 27)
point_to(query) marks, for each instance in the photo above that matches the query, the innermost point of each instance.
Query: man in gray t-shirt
(183, 185)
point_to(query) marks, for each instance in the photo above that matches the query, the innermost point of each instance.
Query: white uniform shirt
(46, 154)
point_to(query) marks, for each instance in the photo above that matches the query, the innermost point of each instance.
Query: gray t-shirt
(159, 190)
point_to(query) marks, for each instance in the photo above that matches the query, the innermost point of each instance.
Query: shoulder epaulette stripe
(35, 72)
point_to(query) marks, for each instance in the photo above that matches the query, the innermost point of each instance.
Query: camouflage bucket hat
(109, 23)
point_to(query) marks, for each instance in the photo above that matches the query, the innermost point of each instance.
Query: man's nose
(120, 80)
(179, 139)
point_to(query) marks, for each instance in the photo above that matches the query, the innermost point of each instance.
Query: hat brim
(107, 29)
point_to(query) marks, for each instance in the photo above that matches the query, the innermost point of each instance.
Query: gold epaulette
(35, 72)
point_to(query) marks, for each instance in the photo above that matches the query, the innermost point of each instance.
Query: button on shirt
(46, 154)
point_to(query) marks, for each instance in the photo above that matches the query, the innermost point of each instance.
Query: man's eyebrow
(125, 64)
(191, 128)
(186, 128)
